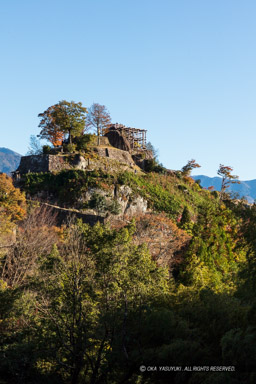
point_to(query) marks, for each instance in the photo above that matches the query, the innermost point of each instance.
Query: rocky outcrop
(117, 140)
(142, 159)
(128, 204)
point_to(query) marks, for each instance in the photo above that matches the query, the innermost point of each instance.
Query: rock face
(128, 204)
(117, 140)
(142, 158)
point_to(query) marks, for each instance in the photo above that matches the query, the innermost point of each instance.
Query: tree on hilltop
(187, 169)
(227, 178)
(98, 119)
(60, 119)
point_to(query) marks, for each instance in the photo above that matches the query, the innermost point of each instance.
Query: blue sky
(185, 70)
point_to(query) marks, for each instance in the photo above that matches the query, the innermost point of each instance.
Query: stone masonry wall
(108, 159)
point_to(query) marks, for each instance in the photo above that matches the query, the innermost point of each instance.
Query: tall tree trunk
(98, 134)
(75, 375)
(69, 137)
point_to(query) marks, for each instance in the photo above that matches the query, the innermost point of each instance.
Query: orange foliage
(56, 138)
(163, 238)
(49, 129)
(12, 204)
(165, 241)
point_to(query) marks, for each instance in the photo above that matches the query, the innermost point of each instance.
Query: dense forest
(96, 304)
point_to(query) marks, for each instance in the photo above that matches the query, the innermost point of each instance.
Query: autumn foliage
(12, 204)
(187, 169)
(49, 129)
(227, 178)
(60, 119)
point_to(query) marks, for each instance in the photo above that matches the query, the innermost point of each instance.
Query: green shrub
(46, 149)
(82, 142)
(69, 148)
(151, 165)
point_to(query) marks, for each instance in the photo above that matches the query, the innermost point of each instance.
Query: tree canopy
(60, 119)
(12, 204)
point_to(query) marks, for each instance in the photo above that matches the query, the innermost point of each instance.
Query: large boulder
(117, 140)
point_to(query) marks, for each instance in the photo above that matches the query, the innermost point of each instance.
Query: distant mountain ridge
(9, 160)
(245, 189)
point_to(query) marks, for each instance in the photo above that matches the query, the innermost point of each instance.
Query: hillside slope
(168, 275)
(9, 160)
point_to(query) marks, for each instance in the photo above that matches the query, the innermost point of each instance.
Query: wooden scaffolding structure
(136, 137)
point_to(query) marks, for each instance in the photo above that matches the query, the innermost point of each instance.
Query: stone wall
(51, 163)
(34, 163)
(115, 154)
(107, 159)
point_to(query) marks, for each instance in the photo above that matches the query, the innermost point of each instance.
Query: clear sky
(185, 70)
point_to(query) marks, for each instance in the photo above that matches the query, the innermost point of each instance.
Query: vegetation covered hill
(9, 160)
(160, 290)
(172, 286)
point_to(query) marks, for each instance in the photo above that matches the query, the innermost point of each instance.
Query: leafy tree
(50, 130)
(239, 349)
(227, 178)
(82, 142)
(88, 299)
(215, 251)
(59, 119)
(12, 204)
(98, 119)
(186, 216)
(187, 169)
